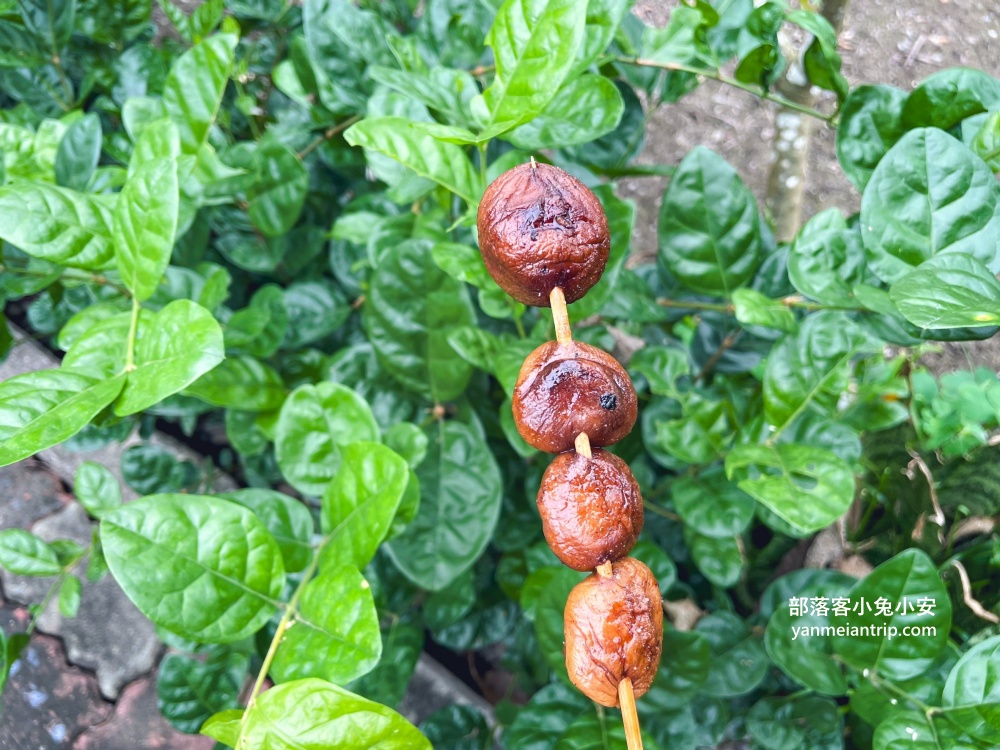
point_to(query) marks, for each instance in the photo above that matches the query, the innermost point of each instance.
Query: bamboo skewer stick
(626, 698)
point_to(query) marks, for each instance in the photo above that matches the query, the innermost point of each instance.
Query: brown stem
(328, 135)
(626, 698)
(560, 316)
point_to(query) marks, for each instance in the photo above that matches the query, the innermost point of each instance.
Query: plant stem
(330, 132)
(68, 273)
(717, 76)
(482, 163)
(279, 635)
(728, 307)
(132, 329)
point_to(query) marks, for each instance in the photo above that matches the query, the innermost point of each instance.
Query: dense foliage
(259, 232)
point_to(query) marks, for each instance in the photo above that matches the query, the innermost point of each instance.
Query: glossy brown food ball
(614, 630)
(591, 509)
(539, 228)
(565, 389)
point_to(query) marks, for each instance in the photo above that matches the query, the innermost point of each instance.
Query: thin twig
(330, 132)
(712, 361)
(970, 601)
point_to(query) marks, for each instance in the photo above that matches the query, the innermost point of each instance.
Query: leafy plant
(257, 232)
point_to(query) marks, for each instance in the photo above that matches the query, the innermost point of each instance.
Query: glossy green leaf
(409, 441)
(260, 327)
(821, 59)
(177, 345)
(684, 666)
(19, 47)
(544, 593)
(910, 730)
(402, 645)
(336, 636)
(603, 20)
(929, 195)
(240, 383)
(972, 692)
(360, 503)
(948, 291)
(315, 421)
(203, 568)
(314, 309)
(807, 486)
(149, 469)
(456, 727)
(905, 581)
(412, 307)
(551, 711)
(712, 505)
(738, 660)
(278, 190)
(69, 596)
(780, 724)
(24, 554)
(312, 714)
(57, 224)
(79, 152)
(288, 520)
(583, 110)
(709, 228)
(445, 90)
(41, 409)
(96, 488)
(755, 309)
(194, 88)
(460, 497)
(189, 691)
(948, 96)
(871, 121)
(827, 260)
(718, 558)
(535, 44)
(810, 368)
(400, 139)
(51, 20)
(146, 214)
(463, 263)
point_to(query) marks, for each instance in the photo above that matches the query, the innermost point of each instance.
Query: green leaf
(986, 142)
(948, 291)
(360, 503)
(684, 666)
(402, 644)
(314, 715)
(810, 368)
(738, 660)
(755, 309)
(69, 596)
(445, 90)
(202, 568)
(583, 110)
(315, 422)
(544, 596)
(535, 45)
(971, 697)
(827, 260)
(909, 577)
(78, 154)
(718, 558)
(460, 498)
(260, 327)
(19, 47)
(96, 488)
(57, 224)
(336, 634)
(457, 727)
(189, 691)
(288, 520)
(701, 435)
(315, 309)
(240, 383)
(41, 409)
(24, 554)
(145, 222)
(709, 228)
(945, 98)
(409, 441)
(604, 17)
(540, 724)
(194, 87)
(412, 307)
(661, 366)
(173, 349)
(278, 190)
(929, 195)
(594, 731)
(51, 20)
(910, 730)
(712, 505)
(871, 121)
(401, 139)
(809, 487)
(150, 469)
(463, 263)
(225, 726)
(821, 59)
(777, 723)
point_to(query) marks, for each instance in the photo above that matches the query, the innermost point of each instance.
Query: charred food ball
(565, 389)
(539, 228)
(591, 509)
(614, 630)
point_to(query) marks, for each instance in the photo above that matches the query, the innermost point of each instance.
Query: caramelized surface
(539, 228)
(591, 509)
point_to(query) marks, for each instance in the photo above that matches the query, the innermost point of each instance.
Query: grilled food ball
(591, 509)
(565, 389)
(614, 630)
(539, 228)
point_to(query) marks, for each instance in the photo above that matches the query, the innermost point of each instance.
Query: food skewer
(545, 241)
